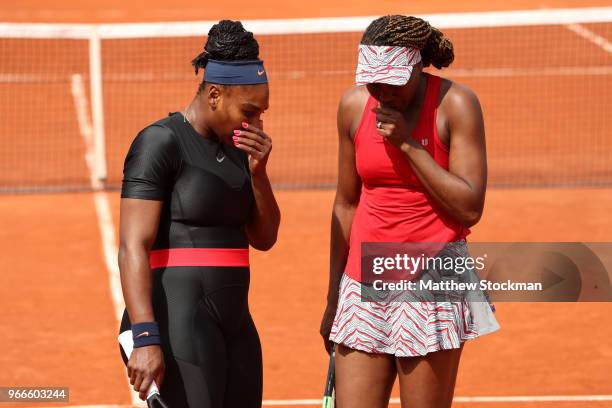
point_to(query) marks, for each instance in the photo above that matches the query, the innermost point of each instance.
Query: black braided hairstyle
(408, 31)
(227, 41)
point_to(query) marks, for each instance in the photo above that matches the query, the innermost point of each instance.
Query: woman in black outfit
(195, 195)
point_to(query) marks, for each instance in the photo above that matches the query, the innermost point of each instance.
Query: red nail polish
(245, 125)
(236, 132)
(235, 138)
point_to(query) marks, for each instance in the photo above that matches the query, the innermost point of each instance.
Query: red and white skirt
(404, 328)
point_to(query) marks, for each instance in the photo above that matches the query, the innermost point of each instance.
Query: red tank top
(393, 206)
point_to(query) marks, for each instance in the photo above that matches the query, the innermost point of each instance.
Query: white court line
(109, 244)
(536, 398)
(305, 25)
(475, 399)
(105, 220)
(103, 212)
(80, 104)
(591, 36)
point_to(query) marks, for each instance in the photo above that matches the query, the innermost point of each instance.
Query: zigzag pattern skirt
(404, 328)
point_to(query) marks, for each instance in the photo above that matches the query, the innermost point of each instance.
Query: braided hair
(227, 41)
(408, 31)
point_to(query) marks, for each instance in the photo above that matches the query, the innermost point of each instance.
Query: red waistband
(162, 258)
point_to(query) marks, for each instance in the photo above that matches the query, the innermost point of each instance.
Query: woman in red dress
(412, 168)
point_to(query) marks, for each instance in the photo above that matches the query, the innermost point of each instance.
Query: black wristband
(145, 334)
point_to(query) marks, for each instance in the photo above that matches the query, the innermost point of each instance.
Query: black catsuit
(211, 348)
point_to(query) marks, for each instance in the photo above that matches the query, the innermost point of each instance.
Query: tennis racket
(329, 397)
(154, 400)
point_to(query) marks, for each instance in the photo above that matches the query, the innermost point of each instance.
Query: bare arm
(461, 189)
(138, 228)
(345, 202)
(262, 231)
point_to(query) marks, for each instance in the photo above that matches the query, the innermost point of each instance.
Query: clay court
(550, 159)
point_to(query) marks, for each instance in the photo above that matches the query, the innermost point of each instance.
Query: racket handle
(153, 390)
(127, 344)
(155, 401)
(328, 395)
(328, 402)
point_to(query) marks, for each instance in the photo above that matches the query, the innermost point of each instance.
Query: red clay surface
(57, 315)
(61, 328)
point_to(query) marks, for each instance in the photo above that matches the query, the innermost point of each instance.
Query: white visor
(385, 64)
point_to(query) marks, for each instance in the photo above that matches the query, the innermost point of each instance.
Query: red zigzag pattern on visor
(385, 64)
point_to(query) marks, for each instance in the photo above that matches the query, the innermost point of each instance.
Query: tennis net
(74, 96)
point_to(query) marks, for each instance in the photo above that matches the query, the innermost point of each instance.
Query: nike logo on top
(143, 334)
(260, 73)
